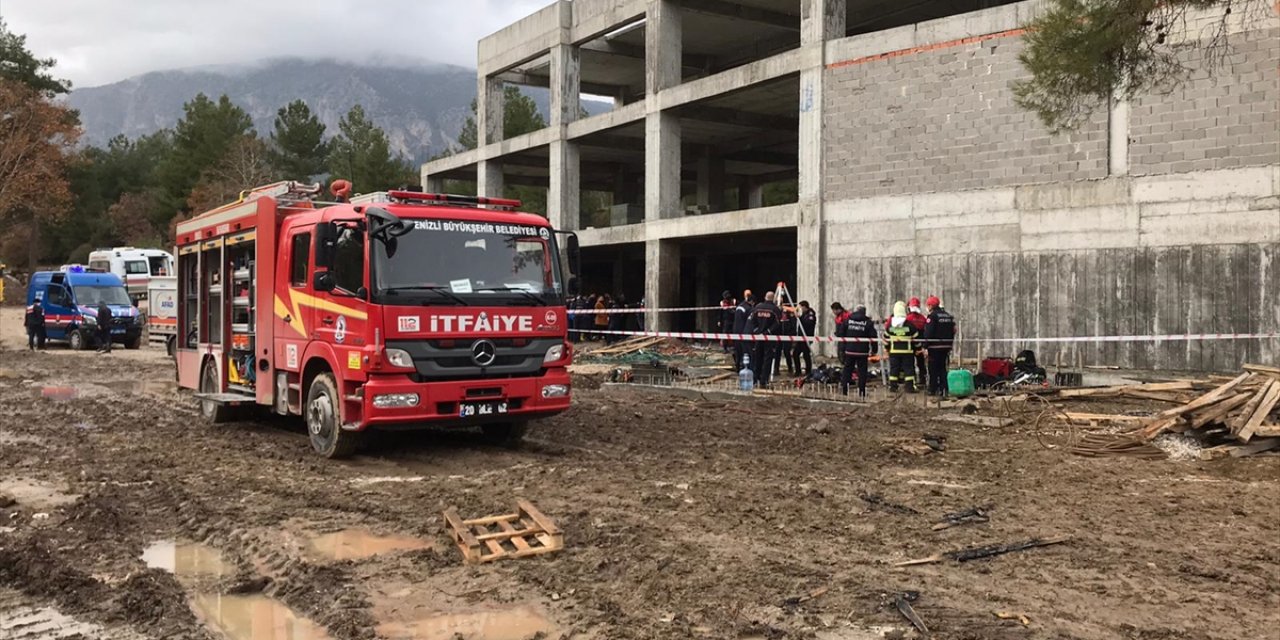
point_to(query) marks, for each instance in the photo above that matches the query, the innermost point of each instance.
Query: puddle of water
(33, 494)
(255, 617)
(519, 623)
(186, 560)
(141, 386)
(355, 544)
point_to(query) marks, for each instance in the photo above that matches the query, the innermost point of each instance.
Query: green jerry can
(960, 383)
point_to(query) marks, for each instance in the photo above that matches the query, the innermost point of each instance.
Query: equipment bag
(998, 368)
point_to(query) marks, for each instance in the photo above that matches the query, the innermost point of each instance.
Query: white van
(135, 266)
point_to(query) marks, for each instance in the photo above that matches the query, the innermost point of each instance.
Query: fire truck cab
(396, 310)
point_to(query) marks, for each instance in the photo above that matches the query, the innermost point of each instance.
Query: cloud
(98, 42)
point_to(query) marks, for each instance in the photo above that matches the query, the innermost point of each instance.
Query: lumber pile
(628, 346)
(1239, 414)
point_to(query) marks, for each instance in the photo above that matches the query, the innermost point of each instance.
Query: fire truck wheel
(212, 411)
(76, 340)
(506, 434)
(324, 420)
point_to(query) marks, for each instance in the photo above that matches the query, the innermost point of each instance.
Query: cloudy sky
(101, 41)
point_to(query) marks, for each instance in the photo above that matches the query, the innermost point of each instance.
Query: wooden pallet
(527, 532)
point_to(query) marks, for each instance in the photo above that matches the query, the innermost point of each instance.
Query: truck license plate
(479, 409)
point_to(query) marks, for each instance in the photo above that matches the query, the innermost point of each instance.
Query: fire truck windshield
(458, 262)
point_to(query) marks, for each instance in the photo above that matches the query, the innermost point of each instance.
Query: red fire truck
(394, 310)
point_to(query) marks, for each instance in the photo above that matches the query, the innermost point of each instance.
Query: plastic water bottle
(746, 377)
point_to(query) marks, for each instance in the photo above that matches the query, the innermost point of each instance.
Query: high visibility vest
(901, 341)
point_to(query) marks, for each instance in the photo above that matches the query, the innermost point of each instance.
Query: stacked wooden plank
(1240, 414)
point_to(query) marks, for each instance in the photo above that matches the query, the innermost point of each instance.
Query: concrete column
(432, 184)
(820, 21)
(705, 294)
(566, 84)
(490, 104)
(564, 194)
(664, 48)
(711, 181)
(489, 181)
(661, 166)
(661, 282)
(1118, 137)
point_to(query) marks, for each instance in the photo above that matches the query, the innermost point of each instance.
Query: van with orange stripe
(390, 311)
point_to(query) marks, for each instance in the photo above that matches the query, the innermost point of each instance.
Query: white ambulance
(135, 266)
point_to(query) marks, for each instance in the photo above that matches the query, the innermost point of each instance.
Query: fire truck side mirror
(326, 240)
(324, 281)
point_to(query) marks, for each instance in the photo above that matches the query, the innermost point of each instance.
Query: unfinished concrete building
(869, 150)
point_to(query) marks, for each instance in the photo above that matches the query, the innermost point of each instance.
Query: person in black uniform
(787, 327)
(856, 354)
(104, 328)
(724, 318)
(34, 322)
(764, 321)
(806, 325)
(939, 337)
(741, 314)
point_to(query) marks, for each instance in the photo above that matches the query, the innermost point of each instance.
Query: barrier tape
(693, 335)
(592, 312)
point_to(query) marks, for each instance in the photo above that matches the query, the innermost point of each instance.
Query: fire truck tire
(209, 410)
(324, 419)
(505, 434)
(76, 340)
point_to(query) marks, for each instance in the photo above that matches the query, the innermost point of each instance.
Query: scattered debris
(877, 501)
(936, 442)
(6, 501)
(903, 602)
(628, 346)
(1005, 615)
(977, 553)
(968, 516)
(496, 537)
(792, 602)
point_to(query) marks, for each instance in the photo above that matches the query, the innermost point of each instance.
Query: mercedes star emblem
(483, 353)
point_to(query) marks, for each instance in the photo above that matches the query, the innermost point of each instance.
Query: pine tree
(201, 139)
(1082, 52)
(298, 149)
(361, 153)
(520, 115)
(19, 64)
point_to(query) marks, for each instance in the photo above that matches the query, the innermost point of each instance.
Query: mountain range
(422, 107)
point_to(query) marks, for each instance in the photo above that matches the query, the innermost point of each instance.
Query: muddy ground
(756, 518)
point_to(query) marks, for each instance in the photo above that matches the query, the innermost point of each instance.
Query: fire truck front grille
(436, 362)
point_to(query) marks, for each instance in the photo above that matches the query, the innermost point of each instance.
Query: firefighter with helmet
(900, 339)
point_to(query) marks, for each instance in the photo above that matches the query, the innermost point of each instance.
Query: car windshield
(91, 295)
(461, 262)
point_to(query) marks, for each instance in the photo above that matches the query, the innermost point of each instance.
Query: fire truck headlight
(395, 400)
(89, 321)
(554, 354)
(555, 391)
(400, 358)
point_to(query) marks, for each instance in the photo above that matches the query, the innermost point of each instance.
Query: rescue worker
(764, 321)
(34, 322)
(724, 321)
(741, 314)
(901, 340)
(104, 328)
(940, 336)
(838, 311)
(806, 325)
(783, 351)
(918, 320)
(854, 355)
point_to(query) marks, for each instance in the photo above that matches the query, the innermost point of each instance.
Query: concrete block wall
(1219, 120)
(936, 183)
(941, 117)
